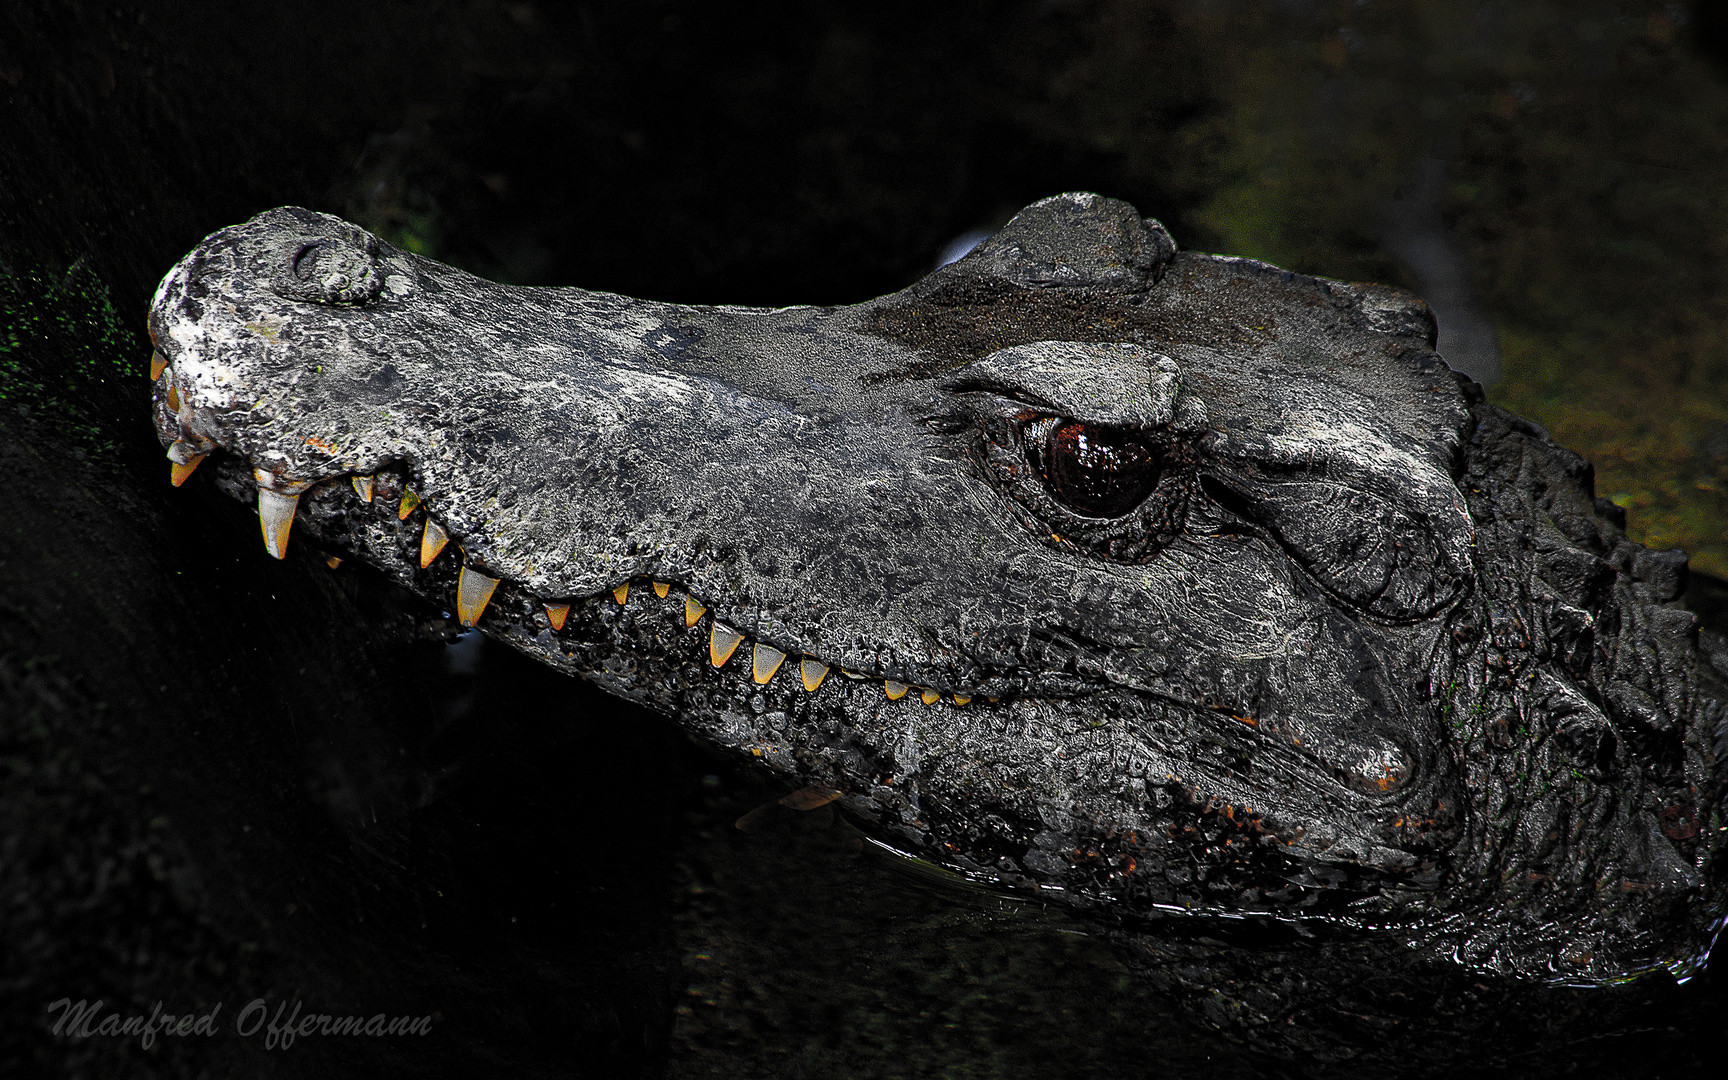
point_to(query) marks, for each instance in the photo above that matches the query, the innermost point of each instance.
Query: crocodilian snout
(241, 324)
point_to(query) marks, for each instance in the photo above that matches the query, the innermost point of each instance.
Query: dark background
(224, 778)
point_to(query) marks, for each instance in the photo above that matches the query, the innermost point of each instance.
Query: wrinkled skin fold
(1314, 641)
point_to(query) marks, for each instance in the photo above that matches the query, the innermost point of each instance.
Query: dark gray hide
(1365, 660)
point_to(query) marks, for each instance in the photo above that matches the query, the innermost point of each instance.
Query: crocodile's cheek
(1293, 682)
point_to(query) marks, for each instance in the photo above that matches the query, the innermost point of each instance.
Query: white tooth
(722, 643)
(765, 660)
(276, 515)
(362, 487)
(812, 672)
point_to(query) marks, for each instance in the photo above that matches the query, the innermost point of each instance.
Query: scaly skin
(1367, 666)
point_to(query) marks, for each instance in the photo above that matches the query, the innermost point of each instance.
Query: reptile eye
(1098, 471)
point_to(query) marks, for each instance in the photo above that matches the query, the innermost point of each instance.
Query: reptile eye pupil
(1099, 471)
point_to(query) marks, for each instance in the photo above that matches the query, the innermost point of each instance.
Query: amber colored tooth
(894, 690)
(622, 593)
(333, 561)
(432, 541)
(962, 699)
(473, 593)
(812, 672)
(765, 660)
(661, 589)
(556, 614)
(157, 366)
(179, 471)
(693, 612)
(362, 487)
(173, 399)
(409, 501)
(929, 696)
(276, 515)
(722, 643)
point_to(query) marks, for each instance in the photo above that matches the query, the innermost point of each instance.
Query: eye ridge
(1098, 470)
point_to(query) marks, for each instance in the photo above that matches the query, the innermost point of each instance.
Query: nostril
(303, 263)
(339, 267)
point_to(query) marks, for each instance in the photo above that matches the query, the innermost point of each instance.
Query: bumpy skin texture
(1369, 664)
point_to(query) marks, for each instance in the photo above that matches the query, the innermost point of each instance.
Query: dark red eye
(1098, 471)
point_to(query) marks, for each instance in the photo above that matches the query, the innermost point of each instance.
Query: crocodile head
(1171, 585)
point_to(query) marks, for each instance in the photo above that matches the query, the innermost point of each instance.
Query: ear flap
(1078, 240)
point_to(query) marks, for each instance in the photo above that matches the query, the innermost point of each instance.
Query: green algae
(66, 354)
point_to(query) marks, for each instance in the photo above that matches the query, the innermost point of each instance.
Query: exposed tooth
(765, 660)
(661, 589)
(722, 643)
(157, 366)
(693, 612)
(929, 697)
(894, 690)
(853, 675)
(178, 471)
(432, 541)
(812, 672)
(333, 561)
(473, 593)
(556, 614)
(962, 699)
(276, 515)
(406, 507)
(362, 487)
(173, 399)
(622, 593)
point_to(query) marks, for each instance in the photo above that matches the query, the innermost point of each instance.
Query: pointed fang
(765, 660)
(276, 515)
(894, 690)
(157, 366)
(556, 614)
(661, 589)
(362, 487)
(473, 593)
(722, 643)
(622, 594)
(173, 399)
(178, 472)
(812, 672)
(333, 561)
(406, 507)
(432, 541)
(693, 613)
(929, 697)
